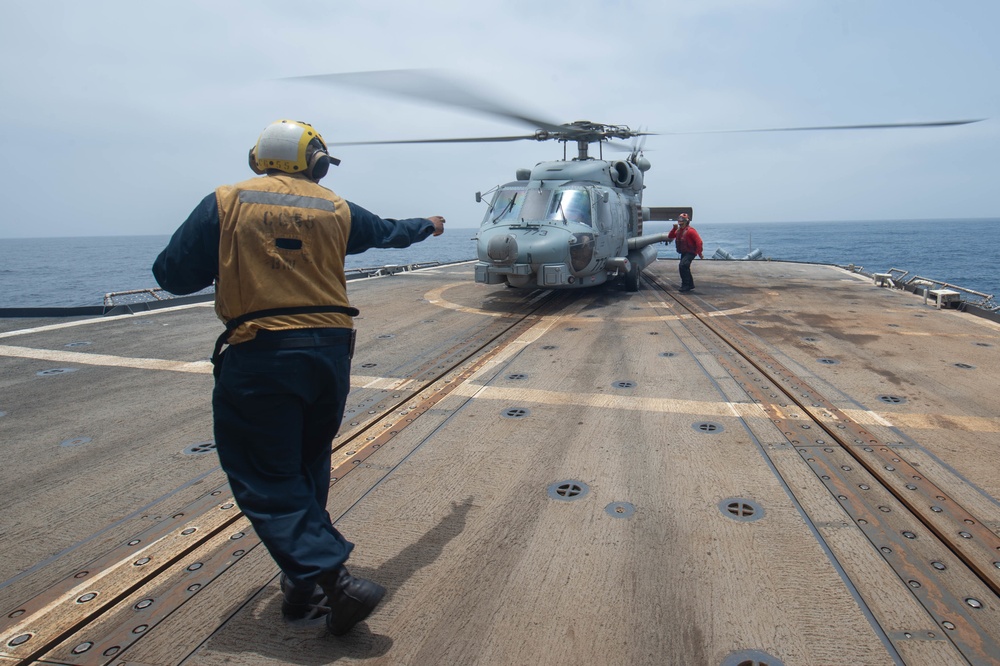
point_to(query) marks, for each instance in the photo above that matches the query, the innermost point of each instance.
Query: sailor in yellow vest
(274, 246)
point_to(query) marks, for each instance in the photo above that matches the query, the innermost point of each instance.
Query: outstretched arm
(369, 230)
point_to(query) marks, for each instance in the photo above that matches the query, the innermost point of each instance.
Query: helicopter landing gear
(632, 277)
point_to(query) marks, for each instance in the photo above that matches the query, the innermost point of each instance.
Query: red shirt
(688, 240)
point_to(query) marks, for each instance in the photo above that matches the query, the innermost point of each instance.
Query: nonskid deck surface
(588, 477)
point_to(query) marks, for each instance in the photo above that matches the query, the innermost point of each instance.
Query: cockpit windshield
(537, 205)
(570, 206)
(506, 205)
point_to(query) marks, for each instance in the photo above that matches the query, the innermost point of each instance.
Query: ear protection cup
(319, 165)
(252, 159)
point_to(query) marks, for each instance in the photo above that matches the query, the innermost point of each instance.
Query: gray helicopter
(574, 222)
(570, 223)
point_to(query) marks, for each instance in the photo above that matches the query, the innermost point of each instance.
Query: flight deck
(793, 464)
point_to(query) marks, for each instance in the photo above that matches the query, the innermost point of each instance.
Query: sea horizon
(453, 229)
(71, 271)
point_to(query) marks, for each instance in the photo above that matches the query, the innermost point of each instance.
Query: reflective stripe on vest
(282, 199)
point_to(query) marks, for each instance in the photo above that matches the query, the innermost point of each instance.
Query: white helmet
(293, 147)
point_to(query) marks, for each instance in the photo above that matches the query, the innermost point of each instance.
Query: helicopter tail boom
(666, 212)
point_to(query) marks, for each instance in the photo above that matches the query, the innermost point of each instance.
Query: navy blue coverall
(276, 411)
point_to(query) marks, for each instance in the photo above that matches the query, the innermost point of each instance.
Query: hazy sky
(117, 117)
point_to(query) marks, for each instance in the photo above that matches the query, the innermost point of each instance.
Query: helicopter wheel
(632, 278)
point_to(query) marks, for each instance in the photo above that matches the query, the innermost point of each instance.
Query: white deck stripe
(101, 320)
(198, 367)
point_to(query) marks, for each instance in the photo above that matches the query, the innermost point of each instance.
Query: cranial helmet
(293, 147)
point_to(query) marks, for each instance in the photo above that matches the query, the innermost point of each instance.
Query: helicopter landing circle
(437, 298)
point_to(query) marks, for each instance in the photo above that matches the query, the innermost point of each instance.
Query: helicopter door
(622, 216)
(603, 226)
(601, 212)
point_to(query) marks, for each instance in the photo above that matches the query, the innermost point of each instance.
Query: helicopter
(573, 222)
(563, 224)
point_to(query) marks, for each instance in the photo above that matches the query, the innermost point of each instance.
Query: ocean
(67, 272)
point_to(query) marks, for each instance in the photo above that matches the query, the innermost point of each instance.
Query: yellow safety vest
(282, 241)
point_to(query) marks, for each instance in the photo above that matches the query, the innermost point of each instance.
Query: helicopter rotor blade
(619, 147)
(435, 87)
(935, 123)
(638, 143)
(429, 87)
(475, 139)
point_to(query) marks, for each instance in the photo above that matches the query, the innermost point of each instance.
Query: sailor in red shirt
(688, 244)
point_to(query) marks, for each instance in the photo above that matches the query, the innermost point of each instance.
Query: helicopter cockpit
(514, 205)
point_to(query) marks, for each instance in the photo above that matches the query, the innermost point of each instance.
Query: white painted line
(101, 320)
(81, 358)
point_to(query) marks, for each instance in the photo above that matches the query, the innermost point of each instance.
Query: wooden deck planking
(77, 491)
(890, 601)
(888, 342)
(484, 567)
(500, 583)
(349, 489)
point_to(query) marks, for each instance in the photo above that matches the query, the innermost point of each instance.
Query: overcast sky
(117, 117)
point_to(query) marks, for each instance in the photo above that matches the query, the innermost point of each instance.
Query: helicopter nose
(554, 247)
(502, 250)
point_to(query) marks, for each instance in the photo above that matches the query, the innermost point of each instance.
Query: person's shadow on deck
(309, 644)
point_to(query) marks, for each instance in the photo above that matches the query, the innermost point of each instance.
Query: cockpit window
(519, 205)
(570, 206)
(535, 205)
(506, 205)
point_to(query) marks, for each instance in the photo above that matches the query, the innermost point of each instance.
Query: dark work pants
(687, 280)
(276, 414)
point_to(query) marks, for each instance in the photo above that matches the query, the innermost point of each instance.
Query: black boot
(351, 599)
(302, 603)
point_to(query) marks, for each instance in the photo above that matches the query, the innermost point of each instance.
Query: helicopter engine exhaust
(627, 175)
